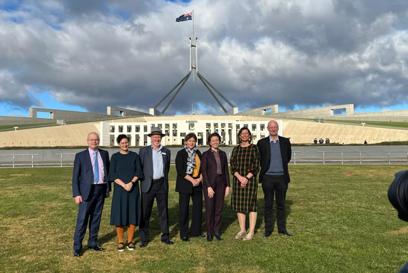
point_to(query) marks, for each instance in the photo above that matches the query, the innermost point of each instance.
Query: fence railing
(26, 160)
(350, 158)
(32, 160)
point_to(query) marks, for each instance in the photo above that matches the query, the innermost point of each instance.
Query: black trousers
(214, 206)
(184, 207)
(89, 213)
(274, 187)
(158, 191)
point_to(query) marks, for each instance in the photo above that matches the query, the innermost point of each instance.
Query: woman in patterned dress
(244, 167)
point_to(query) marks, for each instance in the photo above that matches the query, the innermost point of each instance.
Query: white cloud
(287, 52)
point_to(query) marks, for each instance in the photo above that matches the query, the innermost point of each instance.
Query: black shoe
(209, 237)
(285, 232)
(185, 239)
(121, 247)
(143, 243)
(131, 246)
(167, 242)
(217, 236)
(267, 234)
(96, 248)
(77, 253)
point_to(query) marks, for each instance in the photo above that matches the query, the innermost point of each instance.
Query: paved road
(319, 154)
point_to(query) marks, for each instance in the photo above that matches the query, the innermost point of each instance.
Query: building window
(120, 128)
(262, 127)
(145, 128)
(222, 125)
(229, 125)
(174, 126)
(112, 128)
(129, 128)
(191, 126)
(238, 126)
(167, 126)
(208, 126)
(160, 126)
(167, 132)
(253, 127)
(183, 135)
(245, 125)
(174, 132)
(137, 128)
(215, 125)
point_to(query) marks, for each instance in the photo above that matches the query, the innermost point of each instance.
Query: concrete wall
(55, 136)
(68, 116)
(316, 112)
(297, 131)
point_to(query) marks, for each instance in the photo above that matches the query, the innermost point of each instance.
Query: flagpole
(192, 15)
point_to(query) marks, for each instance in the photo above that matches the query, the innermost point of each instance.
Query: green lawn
(340, 216)
(369, 123)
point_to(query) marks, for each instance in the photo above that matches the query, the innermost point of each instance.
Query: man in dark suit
(275, 152)
(155, 185)
(89, 189)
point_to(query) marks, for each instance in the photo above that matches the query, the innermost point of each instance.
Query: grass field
(369, 123)
(340, 216)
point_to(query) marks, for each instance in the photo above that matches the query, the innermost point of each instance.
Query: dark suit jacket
(146, 158)
(209, 168)
(265, 154)
(83, 177)
(183, 185)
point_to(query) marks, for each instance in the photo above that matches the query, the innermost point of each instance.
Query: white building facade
(177, 127)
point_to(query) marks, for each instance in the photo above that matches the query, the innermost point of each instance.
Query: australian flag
(185, 17)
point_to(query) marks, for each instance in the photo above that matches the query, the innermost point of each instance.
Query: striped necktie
(96, 168)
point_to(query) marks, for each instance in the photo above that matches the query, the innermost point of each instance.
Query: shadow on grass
(228, 218)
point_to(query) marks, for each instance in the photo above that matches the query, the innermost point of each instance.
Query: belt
(274, 174)
(158, 180)
(99, 184)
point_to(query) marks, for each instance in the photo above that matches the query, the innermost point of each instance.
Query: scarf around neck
(190, 159)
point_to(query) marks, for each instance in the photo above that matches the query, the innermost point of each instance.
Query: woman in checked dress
(244, 164)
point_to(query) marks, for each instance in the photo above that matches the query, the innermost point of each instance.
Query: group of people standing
(139, 179)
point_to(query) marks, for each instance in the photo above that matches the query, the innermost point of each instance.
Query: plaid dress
(244, 160)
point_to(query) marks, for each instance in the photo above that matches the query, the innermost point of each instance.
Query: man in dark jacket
(155, 160)
(275, 152)
(89, 189)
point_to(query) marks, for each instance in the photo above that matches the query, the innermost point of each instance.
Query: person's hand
(78, 199)
(241, 179)
(129, 186)
(210, 192)
(227, 191)
(195, 182)
(244, 182)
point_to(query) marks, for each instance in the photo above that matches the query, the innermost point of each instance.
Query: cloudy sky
(85, 55)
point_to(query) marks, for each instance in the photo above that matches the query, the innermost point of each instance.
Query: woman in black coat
(188, 185)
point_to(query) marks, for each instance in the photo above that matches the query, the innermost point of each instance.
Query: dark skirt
(125, 206)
